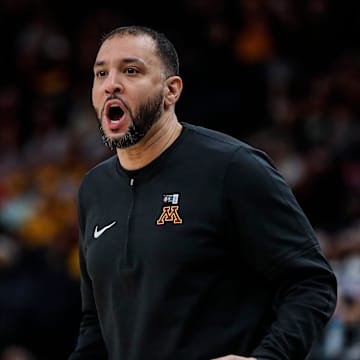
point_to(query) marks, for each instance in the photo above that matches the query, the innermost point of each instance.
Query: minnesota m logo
(169, 214)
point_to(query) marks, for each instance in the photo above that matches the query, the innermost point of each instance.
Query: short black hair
(165, 48)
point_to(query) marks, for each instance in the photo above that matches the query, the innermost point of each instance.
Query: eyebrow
(122, 61)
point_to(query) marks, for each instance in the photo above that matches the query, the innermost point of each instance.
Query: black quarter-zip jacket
(204, 253)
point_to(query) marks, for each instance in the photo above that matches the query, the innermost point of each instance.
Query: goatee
(145, 117)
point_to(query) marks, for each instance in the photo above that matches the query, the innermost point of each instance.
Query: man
(192, 245)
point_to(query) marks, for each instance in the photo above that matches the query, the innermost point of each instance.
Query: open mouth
(115, 113)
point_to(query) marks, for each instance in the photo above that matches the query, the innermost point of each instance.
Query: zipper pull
(132, 180)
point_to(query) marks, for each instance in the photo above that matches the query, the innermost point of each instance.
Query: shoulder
(108, 164)
(238, 151)
(202, 138)
(99, 173)
(212, 136)
(244, 162)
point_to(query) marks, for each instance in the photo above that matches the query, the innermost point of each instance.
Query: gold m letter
(169, 214)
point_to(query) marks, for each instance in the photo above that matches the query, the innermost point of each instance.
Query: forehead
(120, 47)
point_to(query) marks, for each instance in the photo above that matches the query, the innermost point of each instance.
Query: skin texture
(128, 73)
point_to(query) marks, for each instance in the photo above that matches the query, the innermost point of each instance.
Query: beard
(141, 122)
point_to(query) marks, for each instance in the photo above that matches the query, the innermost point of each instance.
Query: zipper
(130, 212)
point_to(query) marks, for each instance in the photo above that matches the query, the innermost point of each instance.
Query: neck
(163, 133)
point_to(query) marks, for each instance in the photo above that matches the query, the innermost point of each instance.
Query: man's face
(128, 89)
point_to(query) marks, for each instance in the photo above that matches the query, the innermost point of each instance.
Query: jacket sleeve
(278, 238)
(90, 344)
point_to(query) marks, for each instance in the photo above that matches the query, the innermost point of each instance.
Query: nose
(113, 84)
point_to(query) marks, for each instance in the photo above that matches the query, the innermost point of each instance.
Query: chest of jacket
(158, 225)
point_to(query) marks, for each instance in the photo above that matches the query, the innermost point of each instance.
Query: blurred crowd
(283, 75)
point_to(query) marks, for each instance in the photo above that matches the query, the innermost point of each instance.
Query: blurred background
(279, 74)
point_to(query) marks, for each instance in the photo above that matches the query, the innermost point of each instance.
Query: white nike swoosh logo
(99, 232)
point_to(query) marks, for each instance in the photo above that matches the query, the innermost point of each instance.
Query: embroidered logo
(98, 232)
(170, 210)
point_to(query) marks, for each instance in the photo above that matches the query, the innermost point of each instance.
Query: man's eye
(131, 70)
(101, 73)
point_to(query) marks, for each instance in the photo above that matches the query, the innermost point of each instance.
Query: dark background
(282, 75)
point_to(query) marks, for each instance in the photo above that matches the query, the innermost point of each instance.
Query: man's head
(136, 82)
(164, 48)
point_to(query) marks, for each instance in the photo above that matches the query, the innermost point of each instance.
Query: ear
(173, 89)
